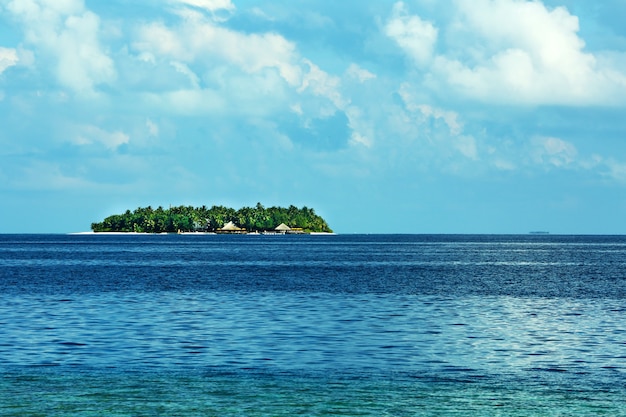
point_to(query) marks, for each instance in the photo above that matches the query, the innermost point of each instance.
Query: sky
(414, 116)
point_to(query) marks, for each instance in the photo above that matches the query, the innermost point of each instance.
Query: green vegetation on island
(184, 219)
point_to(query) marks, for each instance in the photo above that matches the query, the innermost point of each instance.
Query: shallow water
(323, 325)
(98, 392)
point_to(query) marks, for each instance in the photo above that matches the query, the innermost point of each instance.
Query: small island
(217, 219)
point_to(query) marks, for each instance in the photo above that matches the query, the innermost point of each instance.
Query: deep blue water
(397, 325)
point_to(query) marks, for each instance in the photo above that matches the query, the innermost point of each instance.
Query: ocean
(351, 325)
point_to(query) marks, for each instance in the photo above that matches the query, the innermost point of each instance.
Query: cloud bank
(509, 51)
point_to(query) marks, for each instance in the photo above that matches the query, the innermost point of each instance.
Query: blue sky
(415, 116)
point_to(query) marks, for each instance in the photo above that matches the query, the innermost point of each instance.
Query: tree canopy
(204, 219)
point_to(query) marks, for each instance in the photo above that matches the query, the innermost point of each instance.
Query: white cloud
(359, 139)
(533, 54)
(8, 58)
(432, 134)
(450, 118)
(511, 51)
(467, 146)
(48, 9)
(359, 74)
(320, 83)
(219, 10)
(68, 34)
(156, 39)
(296, 108)
(200, 40)
(210, 5)
(189, 102)
(363, 132)
(553, 151)
(153, 128)
(88, 135)
(616, 170)
(504, 165)
(414, 35)
(260, 13)
(235, 71)
(186, 71)
(86, 65)
(147, 57)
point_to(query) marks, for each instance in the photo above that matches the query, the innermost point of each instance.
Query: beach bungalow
(231, 227)
(282, 228)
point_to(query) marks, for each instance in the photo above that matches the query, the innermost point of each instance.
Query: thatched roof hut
(231, 227)
(283, 228)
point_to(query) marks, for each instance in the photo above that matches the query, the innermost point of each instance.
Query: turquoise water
(356, 325)
(111, 393)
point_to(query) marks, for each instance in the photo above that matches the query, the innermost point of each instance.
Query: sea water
(355, 325)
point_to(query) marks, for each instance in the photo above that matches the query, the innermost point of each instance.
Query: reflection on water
(477, 336)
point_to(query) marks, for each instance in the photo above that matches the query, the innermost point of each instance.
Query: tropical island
(217, 219)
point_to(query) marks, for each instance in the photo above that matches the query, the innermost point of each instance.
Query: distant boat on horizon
(539, 232)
